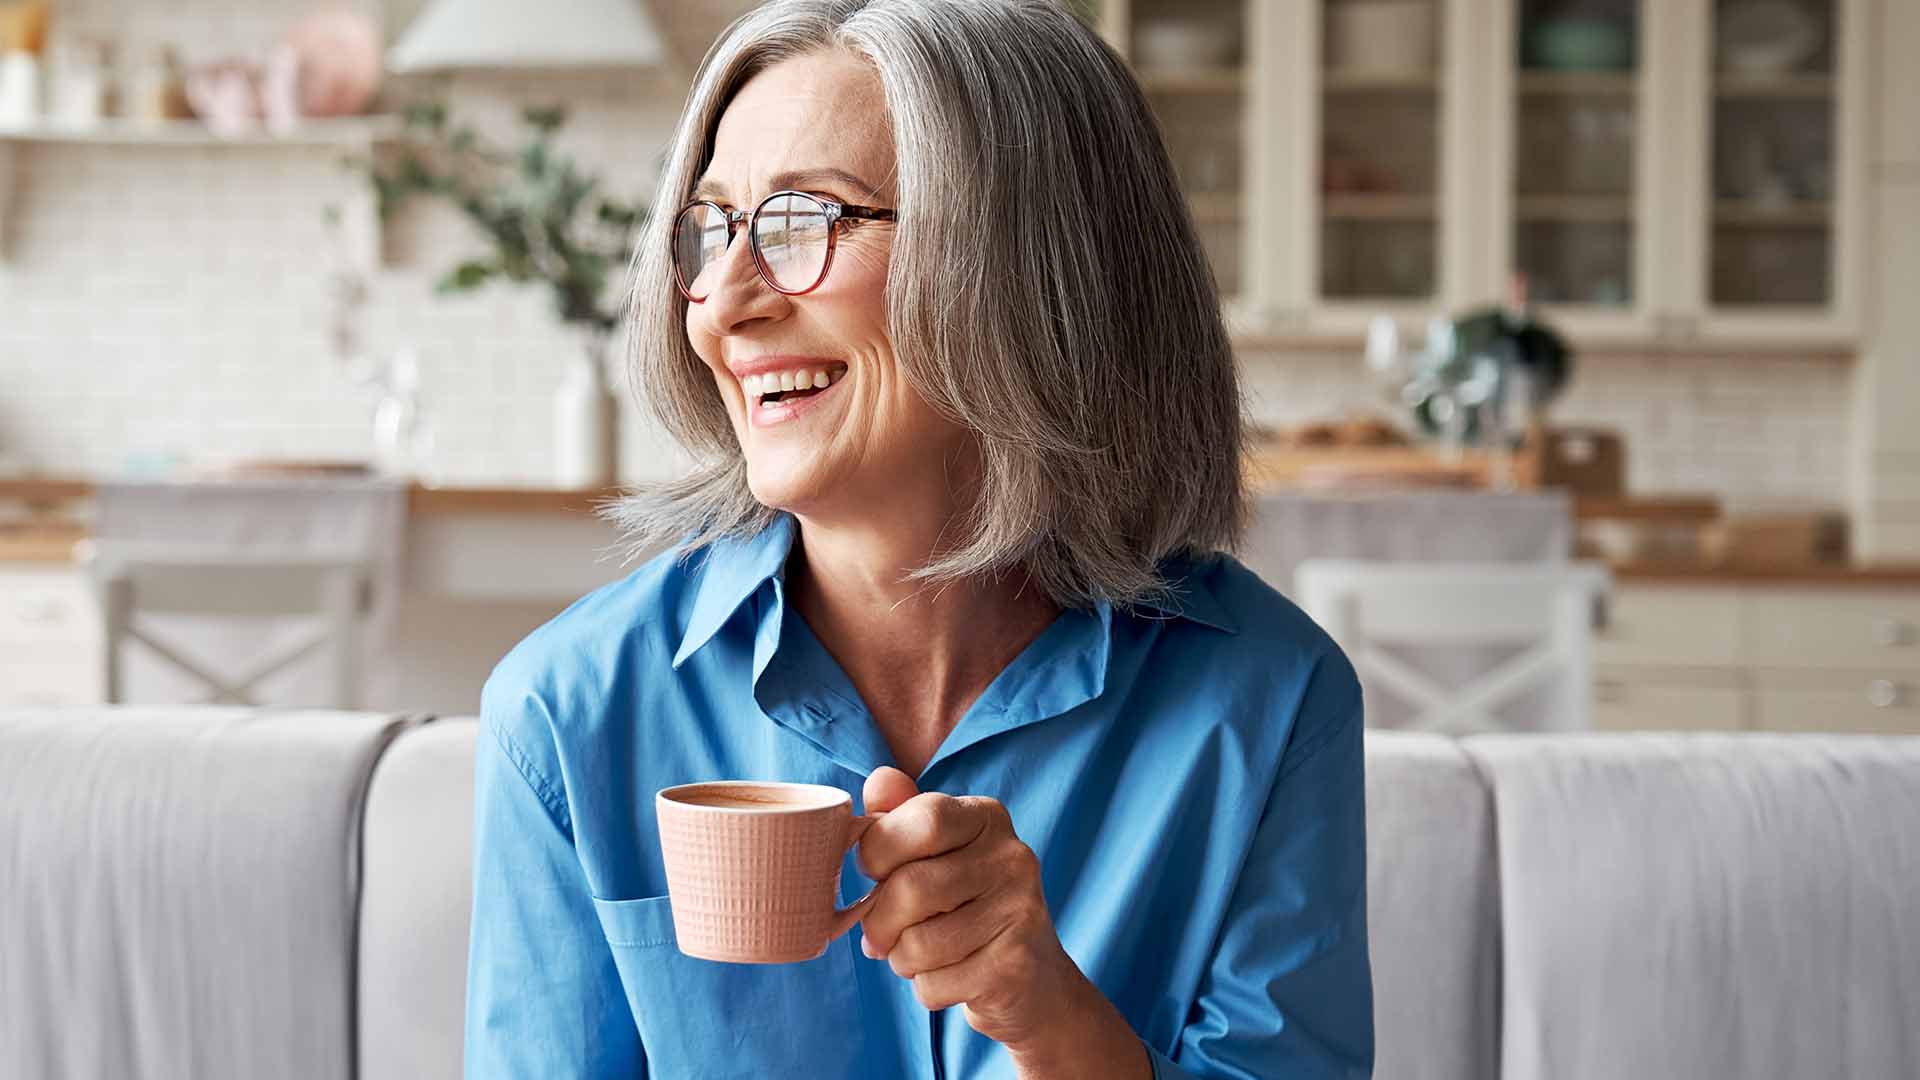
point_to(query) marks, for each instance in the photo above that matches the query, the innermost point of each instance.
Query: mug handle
(844, 918)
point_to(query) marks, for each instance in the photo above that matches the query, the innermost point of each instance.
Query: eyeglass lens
(789, 231)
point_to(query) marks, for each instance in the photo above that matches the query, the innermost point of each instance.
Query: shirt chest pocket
(700, 1018)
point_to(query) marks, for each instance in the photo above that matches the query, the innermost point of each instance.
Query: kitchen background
(1713, 202)
(175, 301)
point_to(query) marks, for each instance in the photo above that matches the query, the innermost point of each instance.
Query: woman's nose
(739, 294)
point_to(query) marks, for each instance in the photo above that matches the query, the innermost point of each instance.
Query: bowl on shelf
(1580, 44)
(1380, 37)
(1766, 37)
(1185, 45)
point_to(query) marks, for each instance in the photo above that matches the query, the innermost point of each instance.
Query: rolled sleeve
(1289, 992)
(543, 996)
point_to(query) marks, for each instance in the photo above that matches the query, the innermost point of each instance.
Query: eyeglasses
(791, 234)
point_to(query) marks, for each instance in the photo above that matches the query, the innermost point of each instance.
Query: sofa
(228, 892)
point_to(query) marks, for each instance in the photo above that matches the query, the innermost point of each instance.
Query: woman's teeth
(774, 383)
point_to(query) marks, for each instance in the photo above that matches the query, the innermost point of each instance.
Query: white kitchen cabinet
(1865, 702)
(50, 636)
(1770, 173)
(1844, 631)
(1760, 656)
(1694, 627)
(1626, 701)
(1651, 197)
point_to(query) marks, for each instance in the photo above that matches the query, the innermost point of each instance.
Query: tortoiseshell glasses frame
(696, 225)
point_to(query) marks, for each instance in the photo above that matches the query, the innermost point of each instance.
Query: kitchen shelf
(1774, 87)
(1371, 207)
(1367, 82)
(345, 132)
(1799, 215)
(1221, 81)
(1584, 209)
(1577, 83)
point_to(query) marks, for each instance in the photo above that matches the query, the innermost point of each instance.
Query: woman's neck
(919, 654)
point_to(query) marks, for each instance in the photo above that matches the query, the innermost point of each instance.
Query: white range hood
(453, 34)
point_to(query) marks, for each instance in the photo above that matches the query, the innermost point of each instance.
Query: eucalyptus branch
(545, 219)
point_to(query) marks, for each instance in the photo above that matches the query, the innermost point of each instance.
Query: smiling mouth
(776, 387)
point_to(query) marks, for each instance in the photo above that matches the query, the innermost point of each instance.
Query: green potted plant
(545, 223)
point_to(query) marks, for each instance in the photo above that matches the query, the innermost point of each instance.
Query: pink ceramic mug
(753, 868)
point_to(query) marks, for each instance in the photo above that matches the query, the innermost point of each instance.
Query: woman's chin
(784, 487)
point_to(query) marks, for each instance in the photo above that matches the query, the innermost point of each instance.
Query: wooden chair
(132, 582)
(1545, 610)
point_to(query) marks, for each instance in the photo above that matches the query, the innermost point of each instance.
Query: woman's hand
(960, 911)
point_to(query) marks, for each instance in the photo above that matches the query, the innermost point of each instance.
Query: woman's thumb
(886, 788)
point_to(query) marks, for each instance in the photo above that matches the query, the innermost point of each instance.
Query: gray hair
(1047, 291)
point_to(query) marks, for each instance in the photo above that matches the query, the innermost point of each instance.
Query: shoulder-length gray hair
(1047, 291)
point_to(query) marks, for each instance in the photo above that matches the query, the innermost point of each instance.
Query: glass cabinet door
(1774, 135)
(1189, 56)
(1380, 150)
(1576, 150)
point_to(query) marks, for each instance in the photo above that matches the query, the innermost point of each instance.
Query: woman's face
(867, 444)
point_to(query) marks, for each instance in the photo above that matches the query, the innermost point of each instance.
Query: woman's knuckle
(923, 992)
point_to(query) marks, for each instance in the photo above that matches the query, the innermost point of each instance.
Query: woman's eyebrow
(792, 178)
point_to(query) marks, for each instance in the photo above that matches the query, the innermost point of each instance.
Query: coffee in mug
(753, 868)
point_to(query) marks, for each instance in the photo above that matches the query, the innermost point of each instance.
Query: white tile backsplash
(174, 300)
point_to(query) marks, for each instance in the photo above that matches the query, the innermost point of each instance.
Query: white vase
(586, 424)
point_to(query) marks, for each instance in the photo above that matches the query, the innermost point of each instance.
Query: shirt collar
(734, 568)
(1192, 599)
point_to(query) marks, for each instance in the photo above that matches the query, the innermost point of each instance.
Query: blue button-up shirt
(1191, 780)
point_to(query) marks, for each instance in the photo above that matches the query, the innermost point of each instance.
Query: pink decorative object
(328, 65)
(753, 869)
(337, 55)
(225, 95)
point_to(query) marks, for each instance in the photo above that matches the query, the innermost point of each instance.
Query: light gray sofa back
(1433, 911)
(415, 905)
(1708, 905)
(180, 892)
(177, 890)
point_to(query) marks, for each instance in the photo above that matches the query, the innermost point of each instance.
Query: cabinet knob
(1891, 632)
(1883, 694)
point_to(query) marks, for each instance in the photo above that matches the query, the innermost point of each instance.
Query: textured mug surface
(753, 868)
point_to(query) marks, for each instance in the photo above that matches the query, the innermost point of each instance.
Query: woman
(967, 430)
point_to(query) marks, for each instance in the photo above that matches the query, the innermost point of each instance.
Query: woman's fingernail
(867, 947)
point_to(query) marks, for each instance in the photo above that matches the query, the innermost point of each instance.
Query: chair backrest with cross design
(133, 582)
(1377, 611)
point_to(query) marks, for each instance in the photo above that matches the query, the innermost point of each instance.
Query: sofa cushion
(416, 905)
(1688, 906)
(1433, 914)
(178, 888)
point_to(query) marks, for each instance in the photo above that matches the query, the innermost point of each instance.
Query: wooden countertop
(1883, 574)
(53, 542)
(421, 498)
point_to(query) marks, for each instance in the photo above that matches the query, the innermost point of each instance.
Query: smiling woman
(1042, 290)
(922, 297)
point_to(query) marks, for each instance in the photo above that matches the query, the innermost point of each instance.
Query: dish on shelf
(1767, 37)
(1580, 44)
